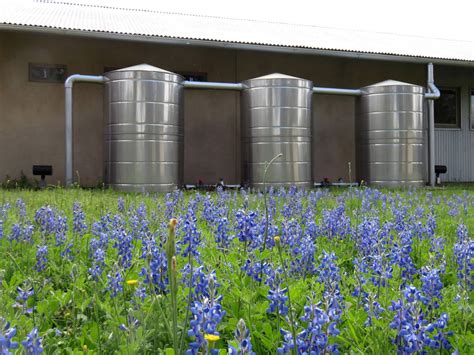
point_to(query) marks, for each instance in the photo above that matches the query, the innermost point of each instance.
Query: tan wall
(32, 114)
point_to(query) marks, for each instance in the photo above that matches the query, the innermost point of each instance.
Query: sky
(435, 19)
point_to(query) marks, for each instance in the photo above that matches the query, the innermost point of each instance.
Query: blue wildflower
(115, 284)
(41, 257)
(78, 219)
(207, 313)
(242, 337)
(33, 343)
(6, 335)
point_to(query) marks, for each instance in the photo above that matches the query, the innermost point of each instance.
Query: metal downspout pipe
(432, 94)
(212, 85)
(68, 84)
(239, 86)
(336, 91)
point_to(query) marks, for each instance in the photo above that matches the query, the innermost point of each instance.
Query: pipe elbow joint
(433, 93)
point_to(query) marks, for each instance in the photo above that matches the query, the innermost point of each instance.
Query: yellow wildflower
(211, 337)
(277, 239)
(132, 282)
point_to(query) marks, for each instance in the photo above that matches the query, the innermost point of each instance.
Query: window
(447, 109)
(47, 73)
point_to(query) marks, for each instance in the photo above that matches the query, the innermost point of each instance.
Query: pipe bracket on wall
(68, 84)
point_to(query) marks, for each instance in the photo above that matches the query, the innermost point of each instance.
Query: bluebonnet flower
(156, 270)
(21, 232)
(121, 204)
(430, 226)
(67, 252)
(330, 277)
(139, 224)
(124, 245)
(60, 230)
(171, 201)
(335, 223)
(360, 269)
(400, 213)
(41, 257)
(437, 258)
(33, 343)
(254, 268)
(191, 237)
(45, 217)
(440, 339)
(294, 206)
(401, 256)
(453, 208)
(464, 253)
(223, 238)
(314, 339)
(6, 335)
(242, 337)
(140, 293)
(246, 226)
(291, 233)
(409, 321)
(277, 297)
(22, 299)
(98, 264)
(288, 342)
(101, 229)
(431, 287)
(79, 225)
(209, 211)
(303, 257)
(207, 313)
(20, 204)
(15, 233)
(132, 322)
(115, 284)
(373, 308)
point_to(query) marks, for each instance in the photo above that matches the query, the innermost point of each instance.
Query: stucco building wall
(32, 113)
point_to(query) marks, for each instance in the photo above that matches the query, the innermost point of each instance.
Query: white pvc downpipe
(432, 94)
(68, 84)
(336, 91)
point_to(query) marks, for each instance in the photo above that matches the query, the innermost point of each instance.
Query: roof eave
(236, 45)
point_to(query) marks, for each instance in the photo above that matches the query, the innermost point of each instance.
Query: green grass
(67, 299)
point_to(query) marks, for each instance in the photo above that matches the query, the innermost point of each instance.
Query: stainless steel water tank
(276, 118)
(392, 135)
(144, 129)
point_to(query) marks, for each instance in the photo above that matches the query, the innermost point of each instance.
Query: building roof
(68, 17)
